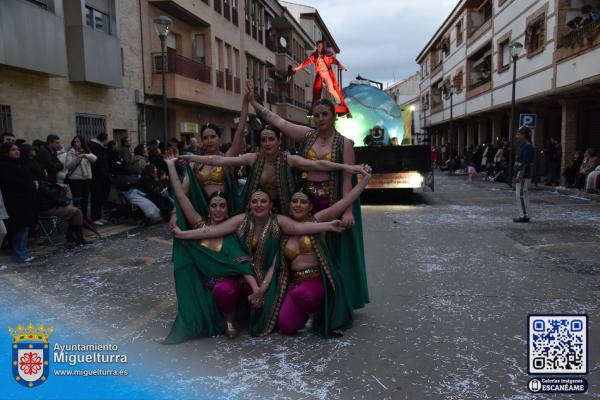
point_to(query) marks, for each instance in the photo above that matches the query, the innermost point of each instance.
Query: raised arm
(294, 228)
(238, 138)
(191, 215)
(244, 159)
(322, 165)
(210, 231)
(337, 208)
(295, 132)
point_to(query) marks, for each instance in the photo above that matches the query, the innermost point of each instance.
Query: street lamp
(163, 26)
(452, 90)
(515, 49)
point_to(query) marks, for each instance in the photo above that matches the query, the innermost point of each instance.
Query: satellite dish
(282, 42)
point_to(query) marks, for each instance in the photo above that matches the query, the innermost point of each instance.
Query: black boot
(79, 239)
(71, 234)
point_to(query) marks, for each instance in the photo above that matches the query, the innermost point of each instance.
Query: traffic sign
(529, 120)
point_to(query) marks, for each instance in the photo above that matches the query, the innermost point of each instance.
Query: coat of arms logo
(30, 354)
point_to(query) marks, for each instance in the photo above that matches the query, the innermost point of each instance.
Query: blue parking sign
(528, 120)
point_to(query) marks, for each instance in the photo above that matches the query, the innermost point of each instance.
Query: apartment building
(558, 73)
(69, 67)
(406, 93)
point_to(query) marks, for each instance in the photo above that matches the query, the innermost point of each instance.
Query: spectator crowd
(81, 186)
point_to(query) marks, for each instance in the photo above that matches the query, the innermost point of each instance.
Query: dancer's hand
(173, 222)
(348, 219)
(175, 231)
(337, 225)
(256, 299)
(366, 171)
(355, 169)
(170, 157)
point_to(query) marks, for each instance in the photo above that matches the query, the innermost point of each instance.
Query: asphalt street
(452, 280)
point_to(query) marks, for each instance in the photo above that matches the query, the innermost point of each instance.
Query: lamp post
(515, 49)
(163, 25)
(452, 89)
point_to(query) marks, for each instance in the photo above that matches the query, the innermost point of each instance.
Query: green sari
(197, 311)
(284, 183)
(266, 253)
(199, 197)
(347, 248)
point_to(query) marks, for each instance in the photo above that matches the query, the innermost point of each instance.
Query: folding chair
(49, 226)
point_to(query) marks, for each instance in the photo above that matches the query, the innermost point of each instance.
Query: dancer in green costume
(325, 143)
(315, 291)
(206, 272)
(260, 231)
(270, 168)
(216, 178)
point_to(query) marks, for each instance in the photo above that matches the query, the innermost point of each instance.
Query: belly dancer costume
(315, 290)
(265, 247)
(347, 248)
(283, 185)
(218, 176)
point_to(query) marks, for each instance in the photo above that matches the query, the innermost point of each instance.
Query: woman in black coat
(18, 189)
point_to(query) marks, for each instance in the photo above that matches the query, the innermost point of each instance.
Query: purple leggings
(300, 300)
(227, 293)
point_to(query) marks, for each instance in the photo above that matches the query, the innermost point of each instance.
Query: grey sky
(380, 39)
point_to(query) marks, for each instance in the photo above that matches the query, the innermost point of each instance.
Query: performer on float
(316, 292)
(207, 272)
(325, 143)
(260, 230)
(270, 168)
(323, 59)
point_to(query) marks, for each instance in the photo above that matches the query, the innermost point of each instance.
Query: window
(5, 119)
(97, 19)
(480, 67)
(89, 125)
(445, 45)
(535, 34)
(481, 15)
(503, 53)
(436, 96)
(199, 49)
(457, 81)
(234, 12)
(446, 88)
(217, 6)
(247, 16)
(459, 32)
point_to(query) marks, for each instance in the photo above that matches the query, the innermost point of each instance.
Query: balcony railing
(287, 100)
(180, 65)
(579, 37)
(220, 79)
(228, 81)
(270, 43)
(236, 85)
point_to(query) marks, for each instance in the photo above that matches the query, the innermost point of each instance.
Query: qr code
(557, 344)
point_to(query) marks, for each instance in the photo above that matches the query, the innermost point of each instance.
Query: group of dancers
(285, 252)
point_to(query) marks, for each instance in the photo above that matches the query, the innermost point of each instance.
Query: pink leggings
(227, 293)
(300, 300)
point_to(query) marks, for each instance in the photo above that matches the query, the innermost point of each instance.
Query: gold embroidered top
(215, 177)
(312, 155)
(216, 247)
(304, 247)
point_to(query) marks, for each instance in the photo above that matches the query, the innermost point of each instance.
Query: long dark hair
(83, 142)
(210, 125)
(5, 149)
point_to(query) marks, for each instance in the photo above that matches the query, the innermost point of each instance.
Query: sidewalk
(480, 179)
(42, 251)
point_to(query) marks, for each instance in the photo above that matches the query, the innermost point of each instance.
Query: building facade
(557, 76)
(406, 93)
(70, 67)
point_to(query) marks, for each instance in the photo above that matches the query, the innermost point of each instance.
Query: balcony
(32, 38)
(479, 20)
(288, 108)
(283, 58)
(220, 79)
(578, 40)
(180, 65)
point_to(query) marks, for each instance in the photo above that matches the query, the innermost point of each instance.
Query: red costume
(324, 73)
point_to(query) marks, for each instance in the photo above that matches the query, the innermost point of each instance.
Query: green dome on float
(370, 107)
